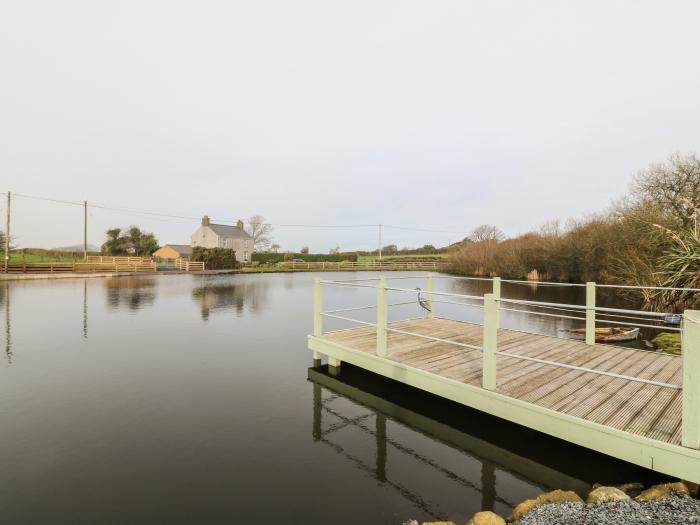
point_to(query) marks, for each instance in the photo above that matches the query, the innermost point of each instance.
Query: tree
(304, 250)
(673, 187)
(260, 231)
(334, 251)
(133, 242)
(275, 248)
(390, 248)
(486, 232)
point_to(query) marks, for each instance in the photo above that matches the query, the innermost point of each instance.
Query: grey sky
(436, 115)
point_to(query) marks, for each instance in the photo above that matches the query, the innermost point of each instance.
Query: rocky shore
(628, 504)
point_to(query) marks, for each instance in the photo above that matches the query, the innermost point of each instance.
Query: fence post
(381, 317)
(690, 349)
(490, 342)
(590, 313)
(496, 291)
(431, 288)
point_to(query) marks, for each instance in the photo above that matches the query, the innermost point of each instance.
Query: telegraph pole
(380, 243)
(7, 232)
(85, 231)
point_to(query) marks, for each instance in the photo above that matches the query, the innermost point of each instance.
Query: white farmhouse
(210, 235)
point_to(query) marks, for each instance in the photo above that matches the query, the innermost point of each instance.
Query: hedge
(264, 257)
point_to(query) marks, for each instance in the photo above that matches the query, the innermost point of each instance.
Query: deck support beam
(590, 313)
(490, 341)
(318, 308)
(690, 346)
(382, 317)
(431, 288)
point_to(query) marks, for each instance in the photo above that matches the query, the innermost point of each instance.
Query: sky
(424, 115)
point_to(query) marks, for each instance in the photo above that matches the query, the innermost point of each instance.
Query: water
(185, 399)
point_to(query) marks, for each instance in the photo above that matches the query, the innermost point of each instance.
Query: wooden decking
(645, 410)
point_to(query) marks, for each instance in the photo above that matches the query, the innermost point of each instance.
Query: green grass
(33, 258)
(667, 342)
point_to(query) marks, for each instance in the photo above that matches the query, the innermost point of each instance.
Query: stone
(631, 489)
(556, 496)
(486, 518)
(663, 491)
(606, 494)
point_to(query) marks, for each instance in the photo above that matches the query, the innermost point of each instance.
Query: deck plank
(639, 408)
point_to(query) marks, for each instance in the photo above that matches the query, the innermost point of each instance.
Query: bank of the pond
(628, 504)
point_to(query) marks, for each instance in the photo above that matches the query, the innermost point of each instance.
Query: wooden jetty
(639, 406)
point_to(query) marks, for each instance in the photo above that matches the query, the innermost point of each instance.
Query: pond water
(189, 399)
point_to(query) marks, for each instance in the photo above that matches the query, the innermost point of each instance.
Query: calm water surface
(185, 399)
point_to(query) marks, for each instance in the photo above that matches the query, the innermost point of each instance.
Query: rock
(486, 518)
(606, 494)
(439, 523)
(663, 491)
(556, 496)
(631, 489)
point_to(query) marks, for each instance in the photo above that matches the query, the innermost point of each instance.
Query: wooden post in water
(431, 288)
(690, 348)
(318, 315)
(490, 342)
(590, 313)
(381, 317)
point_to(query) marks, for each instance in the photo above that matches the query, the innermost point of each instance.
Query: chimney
(205, 220)
(239, 224)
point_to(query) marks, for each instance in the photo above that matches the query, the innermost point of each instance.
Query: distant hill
(77, 248)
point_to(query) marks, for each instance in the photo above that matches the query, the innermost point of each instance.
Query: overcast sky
(422, 114)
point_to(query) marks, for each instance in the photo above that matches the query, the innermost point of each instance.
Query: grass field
(33, 257)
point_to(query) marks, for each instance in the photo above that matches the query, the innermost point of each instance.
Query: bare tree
(304, 250)
(486, 232)
(275, 248)
(673, 187)
(260, 231)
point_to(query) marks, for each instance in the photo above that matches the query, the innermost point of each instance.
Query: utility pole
(7, 232)
(380, 243)
(85, 231)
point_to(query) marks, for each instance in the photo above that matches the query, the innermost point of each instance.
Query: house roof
(223, 230)
(182, 249)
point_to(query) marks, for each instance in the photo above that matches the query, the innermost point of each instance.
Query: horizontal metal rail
(458, 303)
(437, 339)
(348, 319)
(591, 370)
(558, 316)
(430, 292)
(612, 321)
(631, 287)
(367, 307)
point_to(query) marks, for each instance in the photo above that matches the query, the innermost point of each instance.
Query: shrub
(215, 258)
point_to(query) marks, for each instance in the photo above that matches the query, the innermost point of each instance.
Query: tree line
(649, 237)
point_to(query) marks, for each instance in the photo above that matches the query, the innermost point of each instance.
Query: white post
(496, 291)
(590, 313)
(690, 348)
(381, 317)
(431, 289)
(318, 308)
(490, 342)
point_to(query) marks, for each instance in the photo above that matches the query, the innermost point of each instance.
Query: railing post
(381, 317)
(490, 342)
(590, 313)
(690, 349)
(318, 307)
(431, 288)
(496, 291)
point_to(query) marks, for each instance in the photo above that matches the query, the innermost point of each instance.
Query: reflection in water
(373, 423)
(85, 310)
(504, 470)
(133, 293)
(223, 295)
(5, 298)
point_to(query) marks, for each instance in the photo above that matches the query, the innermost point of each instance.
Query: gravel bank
(678, 510)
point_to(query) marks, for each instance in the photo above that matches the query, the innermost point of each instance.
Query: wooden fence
(186, 265)
(85, 267)
(428, 266)
(117, 259)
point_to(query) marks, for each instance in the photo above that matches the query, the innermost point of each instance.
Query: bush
(215, 258)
